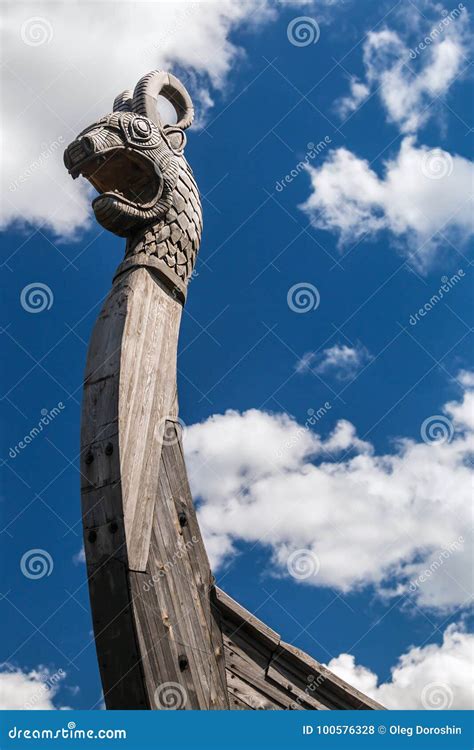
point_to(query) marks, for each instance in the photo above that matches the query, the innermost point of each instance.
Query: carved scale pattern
(175, 239)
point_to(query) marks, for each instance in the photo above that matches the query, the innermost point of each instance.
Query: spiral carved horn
(123, 102)
(158, 82)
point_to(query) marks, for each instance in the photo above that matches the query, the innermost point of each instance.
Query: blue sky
(376, 222)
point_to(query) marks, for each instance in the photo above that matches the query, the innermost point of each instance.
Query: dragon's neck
(170, 245)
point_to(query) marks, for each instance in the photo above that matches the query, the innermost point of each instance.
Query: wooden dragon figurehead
(148, 194)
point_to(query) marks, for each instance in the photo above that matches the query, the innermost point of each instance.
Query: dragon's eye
(141, 128)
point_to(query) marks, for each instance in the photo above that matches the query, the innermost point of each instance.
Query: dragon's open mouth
(124, 175)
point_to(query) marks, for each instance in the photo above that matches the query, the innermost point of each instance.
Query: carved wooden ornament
(166, 638)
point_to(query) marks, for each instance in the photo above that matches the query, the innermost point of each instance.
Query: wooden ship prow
(166, 637)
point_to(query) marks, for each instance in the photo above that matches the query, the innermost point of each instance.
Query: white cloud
(430, 677)
(79, 557)
(29, 690)
(405, 515)
(359, 92)
(423, 192)
(339, 360)
(52, 90)
(409, 80)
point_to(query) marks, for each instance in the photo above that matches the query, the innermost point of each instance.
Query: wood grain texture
(150, 582)
(265, 673)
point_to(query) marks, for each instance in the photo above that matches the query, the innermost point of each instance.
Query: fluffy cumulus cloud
(340, 360)
(264, 479)
(432, 677)
(408, 80)
(65, 62)
(22, 690)
(423, 195)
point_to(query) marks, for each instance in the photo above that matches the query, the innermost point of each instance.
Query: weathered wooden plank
(172, 599)
(133, 486)
(332, 690)
(276, 670)
(147, 390)
(115, 637)
(252, 698)
(298, 697)
(233, 611)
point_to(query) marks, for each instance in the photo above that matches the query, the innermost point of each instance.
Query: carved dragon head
(135, 160)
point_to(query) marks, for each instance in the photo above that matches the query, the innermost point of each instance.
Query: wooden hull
(157, 632)
(165, 637)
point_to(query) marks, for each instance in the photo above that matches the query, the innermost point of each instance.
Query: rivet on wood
(182, 519)
(183, 662)
(109, 449)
